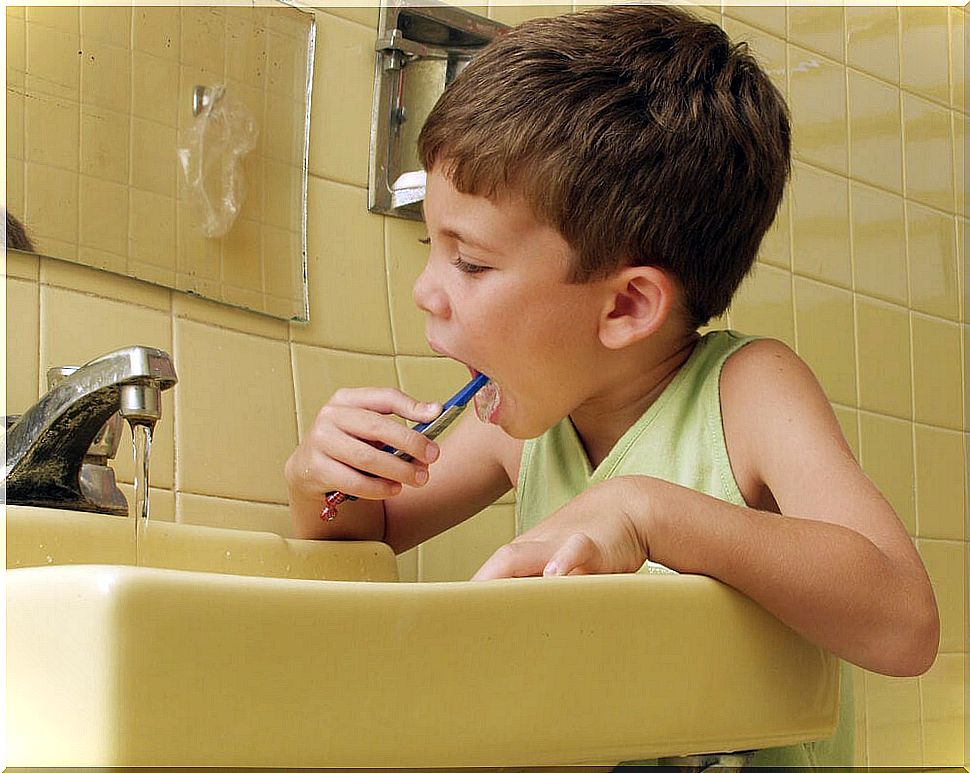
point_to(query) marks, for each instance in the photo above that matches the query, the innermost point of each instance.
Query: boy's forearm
(827, 582)
(360, 520)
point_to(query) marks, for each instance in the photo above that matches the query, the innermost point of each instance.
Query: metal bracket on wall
(420, 50)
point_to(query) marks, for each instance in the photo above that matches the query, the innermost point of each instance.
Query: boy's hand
(342, 450)
(594, 533)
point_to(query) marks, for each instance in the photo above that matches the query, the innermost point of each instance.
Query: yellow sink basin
(113, 665)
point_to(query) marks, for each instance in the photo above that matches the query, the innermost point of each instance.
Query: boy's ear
(639, 302)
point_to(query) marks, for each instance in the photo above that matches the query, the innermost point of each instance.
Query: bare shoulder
(773, 410)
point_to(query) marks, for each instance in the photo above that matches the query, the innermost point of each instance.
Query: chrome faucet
(50, 461)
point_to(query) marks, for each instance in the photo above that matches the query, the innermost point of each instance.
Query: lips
(488, 399)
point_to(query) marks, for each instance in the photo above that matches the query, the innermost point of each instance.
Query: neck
(637, 378)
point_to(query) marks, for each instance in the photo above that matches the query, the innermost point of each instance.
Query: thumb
(577, 554)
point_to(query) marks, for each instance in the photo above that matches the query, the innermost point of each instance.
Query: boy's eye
(425, 240)
(469, 268)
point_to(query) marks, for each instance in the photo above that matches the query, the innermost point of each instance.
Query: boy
(598, 185)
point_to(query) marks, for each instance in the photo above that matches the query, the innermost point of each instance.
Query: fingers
(577, 555)
(386, 400)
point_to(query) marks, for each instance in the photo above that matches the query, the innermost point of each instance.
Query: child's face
(496, 298)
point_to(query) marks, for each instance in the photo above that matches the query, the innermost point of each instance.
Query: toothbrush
(451, 411)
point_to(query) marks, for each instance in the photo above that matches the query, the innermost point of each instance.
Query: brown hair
(640, 132)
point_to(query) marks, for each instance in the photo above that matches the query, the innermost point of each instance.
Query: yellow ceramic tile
(103, 221)
(820, 225)
(278, 129)
(961, 229)
(406, 257)
(879, 244)
(15, 123)
(285, 64)
(104, 144)
(431, 378)
(892, 708)
(15, 202)
(161, 502)
(93, 282)
(346, 272)
(944, 561)
(247, 299)
(282, 194)
(770, 18)
(767, 49)
(110, 24)
(875, 127)
(220, 315)
(763, 305)
(318, 373)
(861, 736)
(942, 692)
(283, 266)
(456, 554)
(937, 372)
(203, 39)
(884, 364)
(886, 446)
(341, 106)
(246, 54)
(824, 332)
(873, 40)
(940, 495)
(21, 265)
(105, 75)
(933, 284)
(51, 212)
(237, 417)
(818, 28)
(958, 59)
(51, 133)
(848, 419)
(61, 18)
(233, 514)
(928, 153)
(23, 344)
(53, 64)
(76, 328)
(711, 13)
(104, 261)
(153, 161)
(152, 234)
(924, 52)
(16, 51)
(364, 16)
(959, 124)
(817, 100)
(199, 258)
(513, 15)
(407, 565)
(155, 93)
(241, 261)
(776, 244)
(155, 30)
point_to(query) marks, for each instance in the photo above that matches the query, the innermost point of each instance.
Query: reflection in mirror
(99, 106)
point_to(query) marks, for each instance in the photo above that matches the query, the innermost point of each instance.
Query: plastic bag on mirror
(210, 155)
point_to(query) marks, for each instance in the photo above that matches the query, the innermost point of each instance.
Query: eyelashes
(459, 262)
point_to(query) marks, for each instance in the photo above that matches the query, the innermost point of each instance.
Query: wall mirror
(421, 47)
(166, 143)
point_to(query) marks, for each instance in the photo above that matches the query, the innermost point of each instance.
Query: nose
(429, 295)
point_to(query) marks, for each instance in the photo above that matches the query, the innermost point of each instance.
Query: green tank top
(680, 439)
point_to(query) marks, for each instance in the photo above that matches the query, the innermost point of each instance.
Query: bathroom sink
(112, 664)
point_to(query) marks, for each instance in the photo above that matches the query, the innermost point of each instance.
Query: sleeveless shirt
(679, 438)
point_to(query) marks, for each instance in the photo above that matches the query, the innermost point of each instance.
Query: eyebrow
(469, 240)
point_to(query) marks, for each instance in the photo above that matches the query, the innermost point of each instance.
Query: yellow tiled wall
(863, 273)
(91, 161)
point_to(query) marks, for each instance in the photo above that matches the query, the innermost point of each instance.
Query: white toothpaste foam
(487, 401)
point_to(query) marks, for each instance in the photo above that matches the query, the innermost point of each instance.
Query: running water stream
(141, 440)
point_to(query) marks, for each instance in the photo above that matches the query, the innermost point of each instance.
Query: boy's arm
(469, 474)
(839, 568)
